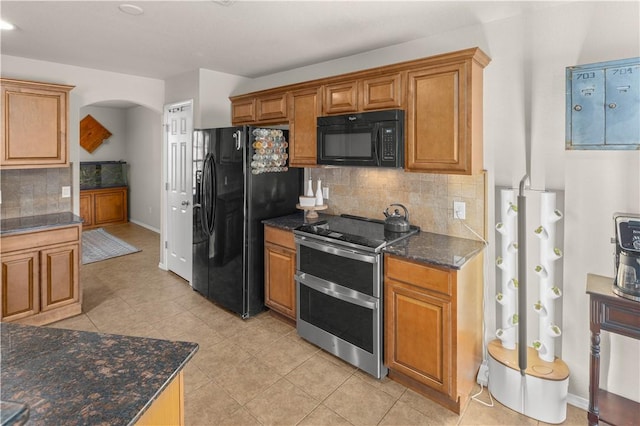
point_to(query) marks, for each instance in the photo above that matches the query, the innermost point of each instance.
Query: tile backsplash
(428, 197)
(29, 192)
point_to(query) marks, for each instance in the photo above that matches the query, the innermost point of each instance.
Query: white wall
(524, 103)
(183, 87)
(209, 90)
(214, 104)
(144, 157)
(91, 86)
(114, 120)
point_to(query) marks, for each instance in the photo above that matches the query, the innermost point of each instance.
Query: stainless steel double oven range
(339, 287)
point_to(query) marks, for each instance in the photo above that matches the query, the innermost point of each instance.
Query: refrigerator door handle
(209, 195)
(237, 136)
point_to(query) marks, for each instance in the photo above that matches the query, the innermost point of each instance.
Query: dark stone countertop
(78, 377)
(17, 225)
(292, 221)
(437, 249)
(427, 247)
(100, 186)
(13, 413)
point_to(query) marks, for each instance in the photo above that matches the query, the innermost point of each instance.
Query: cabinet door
(243, 111)
(305, 105)
(272, 107)
(168, 407)
(110, 207)
(382, 92)
(59, 276)
(86, 209)
(340, 98)
(437, 135)
(280, 288)
(35, 125)
(20, 285)
(418, 335)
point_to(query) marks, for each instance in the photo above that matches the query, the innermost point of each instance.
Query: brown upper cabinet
(35, 124)
(382, 92)
(340, 98)
(243, 111)
(444, 117)
(272, 107)
(304, 110)
(364, 94)
(441, 96)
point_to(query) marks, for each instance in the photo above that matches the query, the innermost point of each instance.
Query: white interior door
(179, 128)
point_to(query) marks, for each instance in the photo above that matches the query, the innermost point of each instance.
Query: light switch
(459, 210)
(66, 191)
(325, 192)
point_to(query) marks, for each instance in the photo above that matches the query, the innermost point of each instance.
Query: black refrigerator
(240, 178)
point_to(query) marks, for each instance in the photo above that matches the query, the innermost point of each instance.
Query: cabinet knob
(577, 107)
(612, 105)
(185, 203)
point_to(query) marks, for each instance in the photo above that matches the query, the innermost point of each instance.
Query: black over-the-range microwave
(368, 139)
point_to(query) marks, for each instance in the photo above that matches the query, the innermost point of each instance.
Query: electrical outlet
(459, 210)
(325, 192)
(66, 191)
(483, 374)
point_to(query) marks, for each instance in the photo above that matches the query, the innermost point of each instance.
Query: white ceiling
(246, 38)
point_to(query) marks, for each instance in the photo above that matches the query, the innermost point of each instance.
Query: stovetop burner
(356, 231)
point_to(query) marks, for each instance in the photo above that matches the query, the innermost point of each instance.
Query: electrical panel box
(603, 105)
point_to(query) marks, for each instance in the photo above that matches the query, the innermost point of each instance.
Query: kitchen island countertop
(17, 225)
(436, 249)
(77, 377)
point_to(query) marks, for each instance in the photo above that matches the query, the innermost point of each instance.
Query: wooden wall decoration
(92, 133)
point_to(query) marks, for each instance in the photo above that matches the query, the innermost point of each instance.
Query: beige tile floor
(257, 371)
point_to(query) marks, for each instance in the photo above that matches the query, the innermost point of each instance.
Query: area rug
(98, 245)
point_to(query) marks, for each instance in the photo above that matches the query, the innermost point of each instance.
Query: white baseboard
(578, 401)
(144, 225)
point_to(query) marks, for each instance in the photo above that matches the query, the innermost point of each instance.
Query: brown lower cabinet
(433, 328)
(40, 275)
(279, 271)
(103, 206)
(168, 408)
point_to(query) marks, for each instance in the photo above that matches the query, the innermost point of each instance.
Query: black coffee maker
(627, 258)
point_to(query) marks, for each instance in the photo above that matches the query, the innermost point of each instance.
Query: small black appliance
(627, 257)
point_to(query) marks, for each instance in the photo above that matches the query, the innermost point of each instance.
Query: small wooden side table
(618, 315)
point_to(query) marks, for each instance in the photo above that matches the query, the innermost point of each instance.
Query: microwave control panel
(388, 143)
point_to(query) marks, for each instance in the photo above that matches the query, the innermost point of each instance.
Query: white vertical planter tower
(538, 388)
(506, 261)
(546, 272)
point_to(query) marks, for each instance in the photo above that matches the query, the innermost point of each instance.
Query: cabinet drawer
(418, 274)
(41, 238)
(280, 237)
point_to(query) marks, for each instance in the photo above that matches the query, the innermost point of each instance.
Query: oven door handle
(332, 249)
(321, 286)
